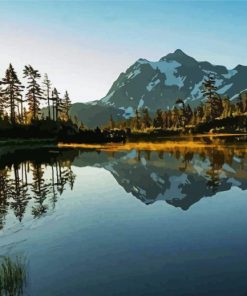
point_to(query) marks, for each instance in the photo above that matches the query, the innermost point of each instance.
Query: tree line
(22, 105)
(183, 116)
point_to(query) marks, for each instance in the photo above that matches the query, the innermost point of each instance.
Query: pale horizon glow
(84, 46)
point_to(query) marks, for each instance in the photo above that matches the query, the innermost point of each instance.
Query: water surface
(146, 219)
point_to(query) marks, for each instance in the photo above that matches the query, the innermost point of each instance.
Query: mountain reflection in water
(180, 173)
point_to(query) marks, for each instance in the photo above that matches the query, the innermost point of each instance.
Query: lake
(164, 218)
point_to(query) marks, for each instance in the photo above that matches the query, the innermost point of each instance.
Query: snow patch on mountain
(224, 89)
(141, 103)
(196, 92)
(152, 84)
(107, 98)
(218, 82)
(169, 68)
(209, 72)
(237, 95)
(230, 74)
(134, 73)
(128, 112)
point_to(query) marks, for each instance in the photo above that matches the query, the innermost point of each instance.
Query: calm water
(147, 221)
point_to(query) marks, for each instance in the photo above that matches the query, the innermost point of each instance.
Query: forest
(37, 110)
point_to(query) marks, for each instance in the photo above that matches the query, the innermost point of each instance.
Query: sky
(83, 46)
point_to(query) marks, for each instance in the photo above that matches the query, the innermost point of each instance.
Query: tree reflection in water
(37, 181)
(181, 173)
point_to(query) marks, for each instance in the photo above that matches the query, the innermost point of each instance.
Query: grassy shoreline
(30, 143)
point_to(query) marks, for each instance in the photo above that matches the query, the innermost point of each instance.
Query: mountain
(158, 85)
(176, 75)
(94, 114)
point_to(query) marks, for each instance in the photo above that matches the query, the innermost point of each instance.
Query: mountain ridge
(158, 84)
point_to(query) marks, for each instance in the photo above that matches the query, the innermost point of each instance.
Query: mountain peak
(179, 56)
(179, 52)
(176, 54)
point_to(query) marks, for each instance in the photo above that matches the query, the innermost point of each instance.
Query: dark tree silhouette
(34, 92)
(47, 91)
(57, 104)
(66, 105)
(111, 123)
(11, 93)
(19, 195)
(146, 119)
(158, 119)
(40, 190)
(214, 104)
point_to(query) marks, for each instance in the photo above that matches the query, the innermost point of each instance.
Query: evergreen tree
(239, 104)
(146, 119)
(34, 92)
(227, 108)
(181, 112)
(47, 90)
(66, 105)
(11, 93)
(158, 119)
(188, 113)
(214, 104)
(76, 121)
(244, 102)
(2, 103)
(111, 123)
(57, 104)
(175, 118)
(136, 123)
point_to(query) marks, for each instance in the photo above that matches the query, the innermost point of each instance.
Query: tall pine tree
(47, 91)
(34, 92)
(214, 103)
(66, 105)
(11, 93)
(57, 104)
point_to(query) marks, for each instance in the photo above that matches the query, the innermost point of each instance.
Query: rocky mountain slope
(158, 85)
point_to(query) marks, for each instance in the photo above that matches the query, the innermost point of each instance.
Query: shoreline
(178, 140)
(168, 142)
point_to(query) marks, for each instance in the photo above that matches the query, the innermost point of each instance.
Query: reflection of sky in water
(100, 240)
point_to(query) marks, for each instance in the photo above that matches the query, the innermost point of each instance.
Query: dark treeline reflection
(34, 181)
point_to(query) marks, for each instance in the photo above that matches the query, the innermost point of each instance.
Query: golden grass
(188, 142)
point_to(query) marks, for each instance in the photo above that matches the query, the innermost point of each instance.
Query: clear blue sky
(84, 45)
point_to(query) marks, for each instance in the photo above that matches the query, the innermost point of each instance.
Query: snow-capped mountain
(176, 75)
(158, 85)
